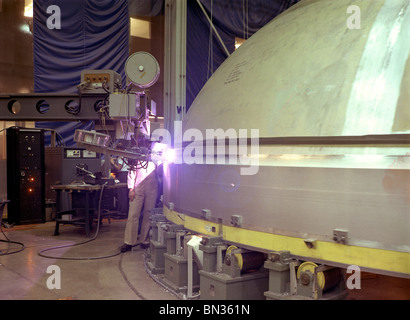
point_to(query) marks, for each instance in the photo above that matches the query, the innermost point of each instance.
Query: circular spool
(238, 256)
(142, 69)
(247, 261)
(310, 266)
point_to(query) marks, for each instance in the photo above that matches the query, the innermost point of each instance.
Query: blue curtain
(231, 18)
(242, 18)
(204, 52)
(93, 35)
(148, 8)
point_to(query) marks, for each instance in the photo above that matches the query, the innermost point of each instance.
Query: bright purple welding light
(168, 155)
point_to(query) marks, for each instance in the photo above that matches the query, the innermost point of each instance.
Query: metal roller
(326, 280)
(246, 261)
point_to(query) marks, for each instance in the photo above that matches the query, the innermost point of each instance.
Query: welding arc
(41, 252)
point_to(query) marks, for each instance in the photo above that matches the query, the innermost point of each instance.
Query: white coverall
(143, 191)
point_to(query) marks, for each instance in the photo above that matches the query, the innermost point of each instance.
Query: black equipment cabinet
(25, 175)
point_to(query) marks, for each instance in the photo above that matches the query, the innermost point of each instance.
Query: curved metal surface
(307, 74)
(307, 77)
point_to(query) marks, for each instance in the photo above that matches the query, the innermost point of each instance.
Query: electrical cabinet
(25, 175)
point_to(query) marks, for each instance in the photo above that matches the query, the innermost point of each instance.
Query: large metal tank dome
(327, 85)
(307, 73)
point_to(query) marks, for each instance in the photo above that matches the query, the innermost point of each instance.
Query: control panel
(25, 175)
(79, 162)
(100, 81)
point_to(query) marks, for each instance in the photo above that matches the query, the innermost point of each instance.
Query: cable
(7, 252)
(41, 252)
(127, 281)
(8, 241)
(210, 67)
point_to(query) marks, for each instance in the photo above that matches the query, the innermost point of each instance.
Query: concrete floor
(23, 276)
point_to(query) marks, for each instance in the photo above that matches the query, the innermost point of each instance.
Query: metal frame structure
(50, 106)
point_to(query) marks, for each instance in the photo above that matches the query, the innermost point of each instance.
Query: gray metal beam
(50, 107)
